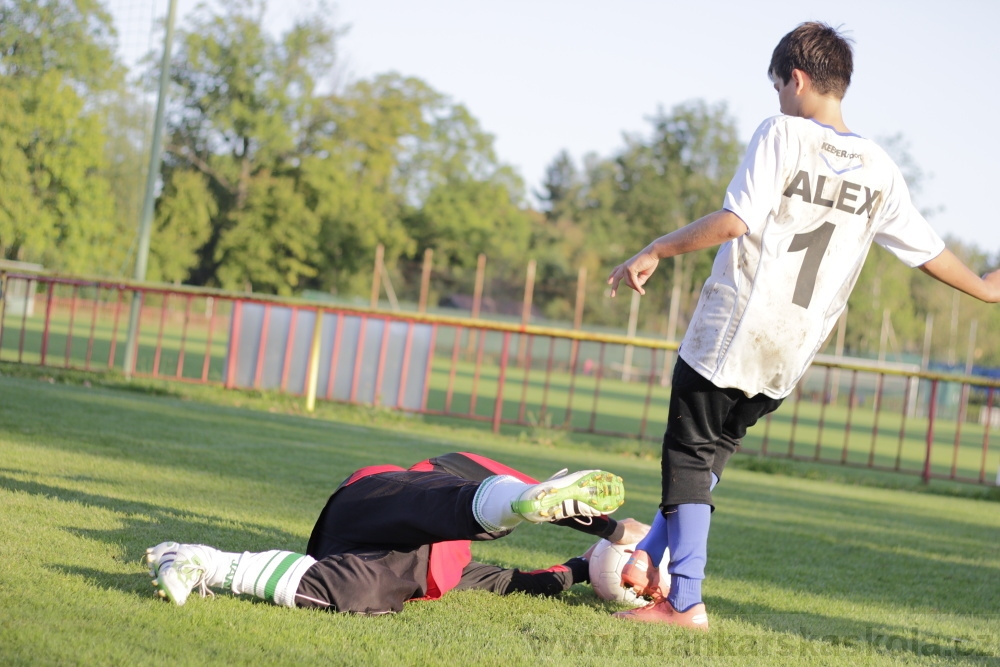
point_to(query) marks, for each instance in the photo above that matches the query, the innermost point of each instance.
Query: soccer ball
(606, 563)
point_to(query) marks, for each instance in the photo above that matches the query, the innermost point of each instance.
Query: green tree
(182, 226)
(462, 200)
(652, 186)
(579, 230)
(884, 287)
(128, 114)
(244, 104)
(953, 314)
(403, 166)
(351, 176)
(306, 185)
(56, 59)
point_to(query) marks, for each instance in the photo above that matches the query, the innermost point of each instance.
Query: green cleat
(580, 494)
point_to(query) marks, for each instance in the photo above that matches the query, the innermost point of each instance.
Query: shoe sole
(635, 576)
(603, 491)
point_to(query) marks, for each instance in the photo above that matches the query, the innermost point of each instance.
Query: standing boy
(798, 220)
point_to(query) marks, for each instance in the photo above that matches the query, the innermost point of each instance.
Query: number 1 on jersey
(814, 243)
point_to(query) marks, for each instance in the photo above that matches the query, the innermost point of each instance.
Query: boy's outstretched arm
(712, 230)
(950, 270)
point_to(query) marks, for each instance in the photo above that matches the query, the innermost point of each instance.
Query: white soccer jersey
(813, 201)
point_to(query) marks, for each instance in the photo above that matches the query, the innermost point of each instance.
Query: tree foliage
(56, 63)
(653, 186)
(305, 183)
(234, 131)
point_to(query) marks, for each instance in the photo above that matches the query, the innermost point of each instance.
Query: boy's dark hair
(819, 51)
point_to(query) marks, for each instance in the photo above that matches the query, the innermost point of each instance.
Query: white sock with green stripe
(271, 575)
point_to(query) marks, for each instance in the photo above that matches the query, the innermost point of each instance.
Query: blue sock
(687, 531)
(655, 542)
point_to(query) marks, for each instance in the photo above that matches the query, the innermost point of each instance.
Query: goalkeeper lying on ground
(388, 535)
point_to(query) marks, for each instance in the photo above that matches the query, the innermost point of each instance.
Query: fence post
(926, 476)
(425, 280)
(529, 295)
(377, 275)
(477, 291)
(839, 352)
(3, 305)
(581, 295)
(234, 344)
(498, 406)
(675, 305)
(633, 320)
(48, 321)
(477, 299)
(313, 376)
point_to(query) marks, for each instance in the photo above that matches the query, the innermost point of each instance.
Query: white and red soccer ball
(606, 563)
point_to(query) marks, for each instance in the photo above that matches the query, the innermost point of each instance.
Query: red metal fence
(535, 380)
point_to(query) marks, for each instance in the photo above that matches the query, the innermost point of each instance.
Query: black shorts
(704, 427)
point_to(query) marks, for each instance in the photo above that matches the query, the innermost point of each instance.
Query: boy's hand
(711, 230)
(634, 531)
(992, 280)
(635, 272)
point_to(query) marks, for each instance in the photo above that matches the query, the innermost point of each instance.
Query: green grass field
(93, 470)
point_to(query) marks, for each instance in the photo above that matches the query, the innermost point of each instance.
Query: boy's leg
(655, 544)
(368, 584)
(373, 584)
(641, 572)
(697, 412)
(397, 510)
(707, 416)
(704, 428)
(503, 502)
(695, 425)
(177, 569)
(504, 581)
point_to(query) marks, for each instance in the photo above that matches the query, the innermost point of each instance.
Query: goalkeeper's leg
(177, 569)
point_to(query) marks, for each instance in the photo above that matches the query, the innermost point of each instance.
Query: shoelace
(202, 587)
(577, 511)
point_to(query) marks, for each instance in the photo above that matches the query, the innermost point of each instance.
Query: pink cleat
(663, 612)
(640, 575)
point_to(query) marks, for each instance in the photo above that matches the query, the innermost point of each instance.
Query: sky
(543, 76)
